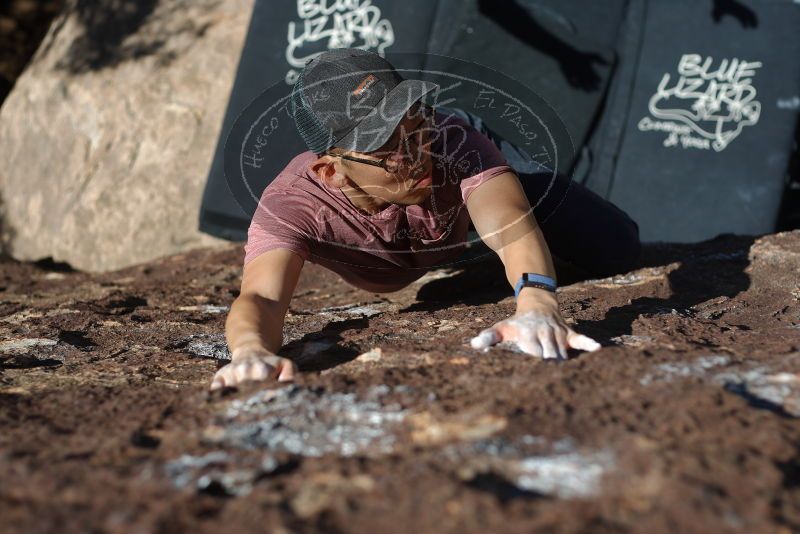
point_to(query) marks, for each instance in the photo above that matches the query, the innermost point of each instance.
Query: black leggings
(582, 228)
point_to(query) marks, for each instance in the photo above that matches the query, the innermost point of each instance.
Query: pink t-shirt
(388, 250)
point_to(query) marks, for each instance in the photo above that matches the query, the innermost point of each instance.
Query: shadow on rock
(321, 350)
(708, 270)
(115, 31)
(479, 280)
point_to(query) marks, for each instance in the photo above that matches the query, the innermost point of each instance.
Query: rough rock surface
(686, 420)
(107, 137)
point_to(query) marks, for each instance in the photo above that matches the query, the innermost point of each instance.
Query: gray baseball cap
(351, 99)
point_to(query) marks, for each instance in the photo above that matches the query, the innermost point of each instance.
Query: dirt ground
(686, 420)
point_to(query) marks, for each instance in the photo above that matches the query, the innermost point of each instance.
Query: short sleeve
(278, 222)
(468, 185)
(482, 158)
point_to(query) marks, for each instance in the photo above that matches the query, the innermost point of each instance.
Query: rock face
(107, 137)
(687, 419)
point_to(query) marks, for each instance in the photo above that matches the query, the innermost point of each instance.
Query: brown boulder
(107, 136)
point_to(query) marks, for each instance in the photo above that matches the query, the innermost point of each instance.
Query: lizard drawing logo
(706, 106)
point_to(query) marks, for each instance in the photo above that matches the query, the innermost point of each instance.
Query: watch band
(534, 280)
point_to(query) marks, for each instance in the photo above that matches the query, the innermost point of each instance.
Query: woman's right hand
(253, 364)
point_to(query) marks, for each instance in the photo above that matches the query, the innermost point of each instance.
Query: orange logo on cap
(364, 85)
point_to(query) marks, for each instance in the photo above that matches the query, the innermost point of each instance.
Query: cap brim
(373, 132)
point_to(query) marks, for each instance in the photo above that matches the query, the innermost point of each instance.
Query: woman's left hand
(540, 332)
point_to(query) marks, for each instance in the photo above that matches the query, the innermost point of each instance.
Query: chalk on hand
(483, 340)
(585, 343)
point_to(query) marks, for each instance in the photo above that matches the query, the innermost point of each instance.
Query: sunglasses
(389, 162)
